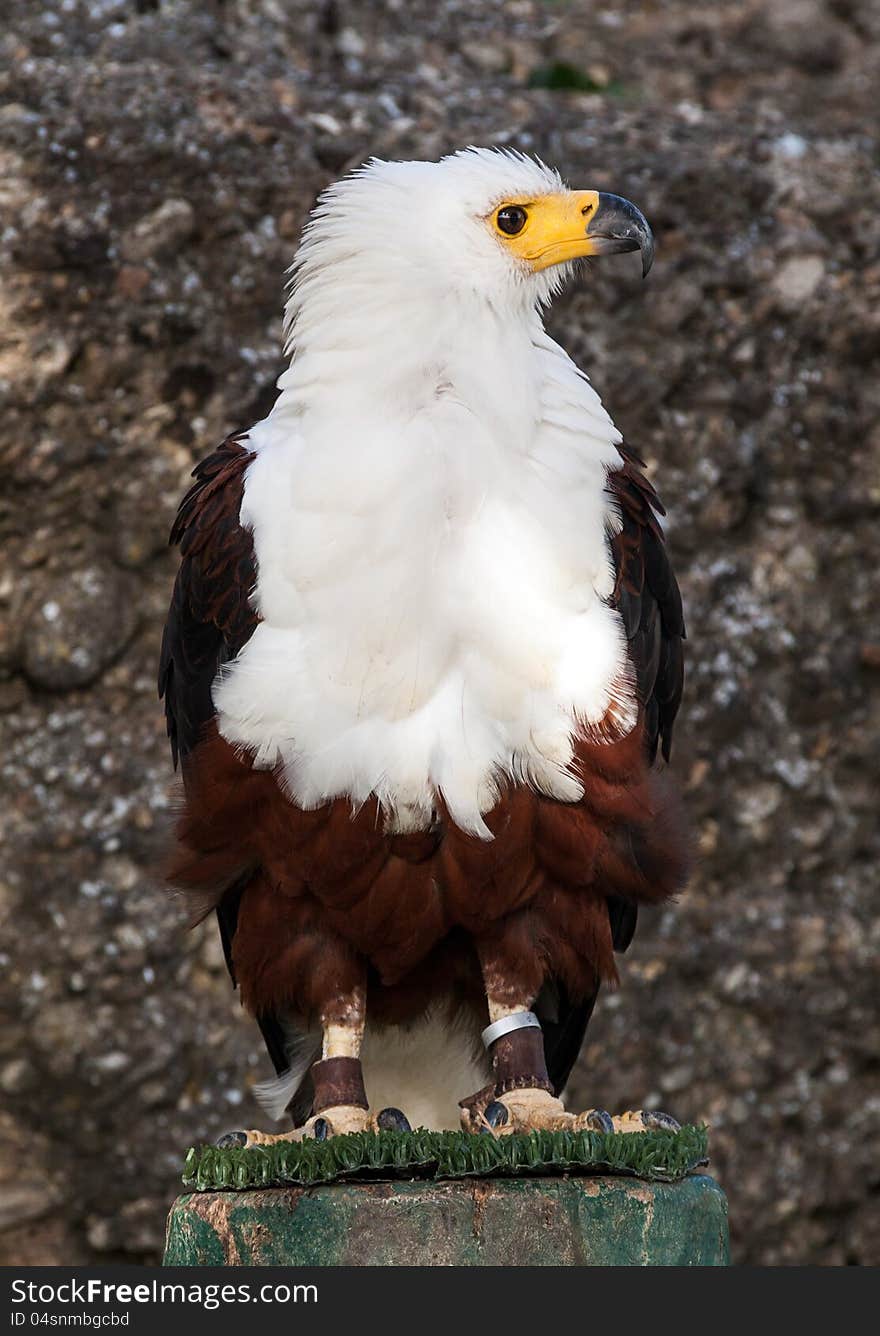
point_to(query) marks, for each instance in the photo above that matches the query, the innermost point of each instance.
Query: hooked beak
(616, 226)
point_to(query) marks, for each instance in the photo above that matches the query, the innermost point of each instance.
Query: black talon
(320, 1129)
(495, 1115)
(230, 1139)
(655, 1121)
(599, 1121)
(392, 1120)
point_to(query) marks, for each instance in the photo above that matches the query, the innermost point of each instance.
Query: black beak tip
(618, 226)
(647, 250)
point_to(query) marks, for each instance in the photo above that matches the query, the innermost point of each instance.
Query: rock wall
(156, 162)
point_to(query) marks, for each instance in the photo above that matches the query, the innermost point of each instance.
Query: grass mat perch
(656, 1155)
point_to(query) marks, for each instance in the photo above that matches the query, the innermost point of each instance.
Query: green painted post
(556, 1221)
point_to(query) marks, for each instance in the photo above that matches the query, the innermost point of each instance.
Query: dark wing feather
(210, 617)
(209, 620)
(647, 596)
(564, 1024)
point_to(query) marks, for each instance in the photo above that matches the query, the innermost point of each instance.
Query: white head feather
(416, 229)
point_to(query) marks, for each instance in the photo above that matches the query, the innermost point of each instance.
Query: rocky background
(157, 159)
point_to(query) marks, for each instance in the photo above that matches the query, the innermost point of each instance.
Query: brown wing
(647, 596)
(209, 620)
(210, 616)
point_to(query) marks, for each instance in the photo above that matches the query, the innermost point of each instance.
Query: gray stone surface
(156, 163)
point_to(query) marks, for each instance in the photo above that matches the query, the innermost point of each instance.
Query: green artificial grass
(664, 1156)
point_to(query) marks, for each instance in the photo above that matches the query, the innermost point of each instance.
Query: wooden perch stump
(579, 1221)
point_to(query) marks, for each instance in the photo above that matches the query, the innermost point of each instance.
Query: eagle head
(489, 223)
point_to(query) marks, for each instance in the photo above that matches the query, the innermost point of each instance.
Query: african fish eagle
(423, 648)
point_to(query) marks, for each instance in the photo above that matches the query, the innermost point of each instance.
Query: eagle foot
(527, 1110)
(644, 1120)
(328, 1123)
(333, 1122)
(532, 1109)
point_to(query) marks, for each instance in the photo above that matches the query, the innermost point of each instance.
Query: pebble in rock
(76, 629)
(161, 232)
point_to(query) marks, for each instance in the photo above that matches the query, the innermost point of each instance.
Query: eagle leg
(340, 1102)
(521, 1097)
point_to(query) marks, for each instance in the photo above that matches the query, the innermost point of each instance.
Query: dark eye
(511, 219)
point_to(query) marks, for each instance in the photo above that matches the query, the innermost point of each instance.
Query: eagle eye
(511, 219)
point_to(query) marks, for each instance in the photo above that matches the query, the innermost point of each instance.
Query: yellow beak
(578, 223)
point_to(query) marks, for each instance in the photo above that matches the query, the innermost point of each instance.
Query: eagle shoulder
(210, 616)
(647, 596)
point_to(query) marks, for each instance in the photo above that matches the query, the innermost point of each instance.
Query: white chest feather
(433, 566)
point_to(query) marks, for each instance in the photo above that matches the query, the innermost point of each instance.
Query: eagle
(422, 664)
